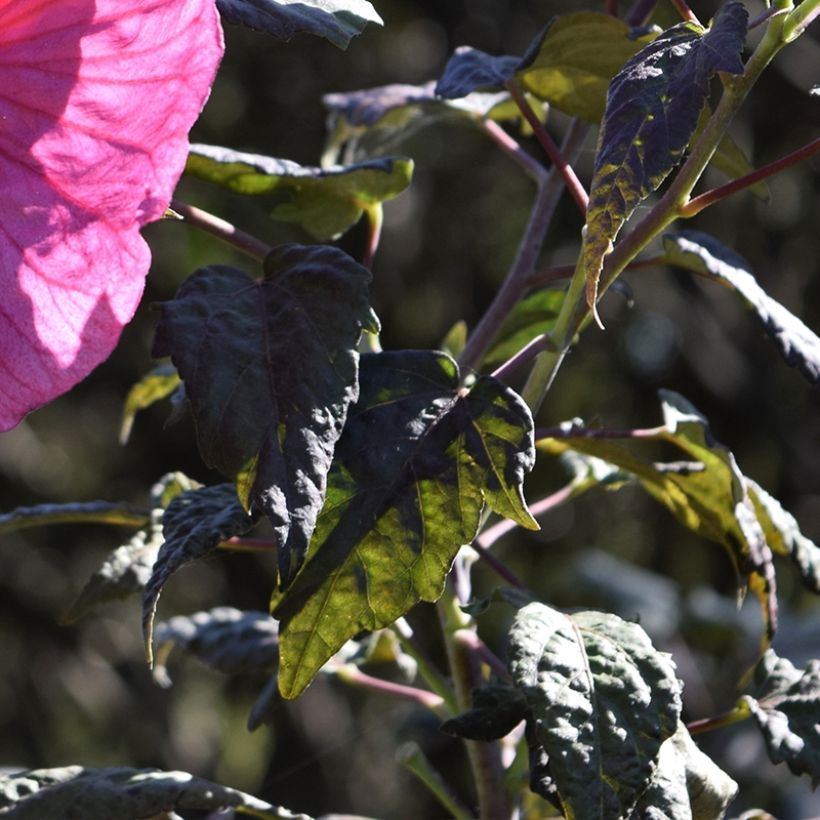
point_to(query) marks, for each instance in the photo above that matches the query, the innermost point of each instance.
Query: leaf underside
(602, 702)
(652, 111)
(270, 369)
(413, 470)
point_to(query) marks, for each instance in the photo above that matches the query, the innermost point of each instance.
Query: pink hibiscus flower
(96, 101)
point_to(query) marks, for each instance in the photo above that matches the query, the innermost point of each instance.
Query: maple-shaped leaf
(418, 461)
(652, 111)
(270, 368)
(324, 201)
(98, 99)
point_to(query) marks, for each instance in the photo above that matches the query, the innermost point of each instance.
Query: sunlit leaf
(270, 368)
(652, 111)
(414, 468)
(123, 794)
(324, 201)
(335, 20)
(602, 701)
(703, 254)
(194, 524)
(154, 386)
(785, 703)
(226, 639)
(496, 710)
(706, 492)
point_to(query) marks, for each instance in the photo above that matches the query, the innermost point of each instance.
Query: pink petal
(96, 101)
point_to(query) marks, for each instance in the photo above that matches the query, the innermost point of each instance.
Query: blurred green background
(82, 694)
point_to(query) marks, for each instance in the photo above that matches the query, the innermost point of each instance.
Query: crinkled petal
(96, 101)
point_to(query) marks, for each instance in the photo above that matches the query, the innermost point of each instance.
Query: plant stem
(640, 11)
(238, 544)
(612, 7)
(485, 758)
(375, 220)
(571, 180)
(500, 569)
(468, 638)
(524, 356)
(685, 12)
(737, 715)
(586, 432)
(353, 676)
(513, 150)
(411, 756)
(800, 19)
(214, 225)
(515, 283)
(696, 205)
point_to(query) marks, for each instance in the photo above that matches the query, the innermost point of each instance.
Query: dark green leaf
(155, 385)
(413, 470)
(270, 368)
(571, 63)
(602, 699)
(703, 254)
(785, 703)
(88, 512)
(122, 794)
(707, 492)
(532, 316)
(194, 525)
(335, 20)
(652, 111)
(496, 711)
(470, 69)
(685, 784)
(324, 201)
(226, 639)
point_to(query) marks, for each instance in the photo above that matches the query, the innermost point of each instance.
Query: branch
(513, 150)
(352, 675)
(412, 757)
(220, 228)
(685, 12)
(470, 639)
(375, 219)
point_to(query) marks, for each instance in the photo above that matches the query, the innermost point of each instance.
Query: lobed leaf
(602, 700)
(226, 639)
(194, 525)
(324, 201)
(270, 368)
(123, 794)
(336, 20)
(703, 254)
(154, 386)
(707, 492)
(413, 470)
(785, 702)
(651, 113)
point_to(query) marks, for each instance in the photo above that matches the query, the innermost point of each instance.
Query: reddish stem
(696, 205)
(612, 7)
(352, 675)
(468, 638)
(374, 225)
(685, 12)
(571, 180)
(513, 150)
(548, 275)
(500, 569)
(237, 544)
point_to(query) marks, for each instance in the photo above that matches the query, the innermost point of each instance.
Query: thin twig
(522, 357)
(500, 568)
(574, 185)
(640, 11)
(216, 226)
(352, 675)
(571, 431)
(470, 639)
(513, 150)
(685, 12)
(375, 219)
(736, 715)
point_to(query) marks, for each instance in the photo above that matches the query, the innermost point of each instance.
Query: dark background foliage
(82, 694)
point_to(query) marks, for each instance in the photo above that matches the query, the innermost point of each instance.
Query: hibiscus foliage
(369, 482)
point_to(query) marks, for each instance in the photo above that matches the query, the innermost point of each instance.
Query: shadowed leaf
(193, 526)
(703, 254)
(785, 702)
(707, 492)
(87, 512)
(414, 468)
(652, 111)
(470, 69)
(335, 20)
(602, 701)
(122, 794)
(226, 639)
(495, 712)
(270, 368)
(154, 386)
(324, 201)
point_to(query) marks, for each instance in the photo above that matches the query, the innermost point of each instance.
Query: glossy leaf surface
(414, 468)
(193, 526)
(270, 368)
(785, 702)
(703, 254)
(122, 794)
(603, 700)
(324, 201)
(335, 20)
(652, 111)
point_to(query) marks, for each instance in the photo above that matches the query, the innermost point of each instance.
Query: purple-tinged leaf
(194, 525)
(703, 254)
(652, 110)
(335, 20)
(270, 367)
(470, 69)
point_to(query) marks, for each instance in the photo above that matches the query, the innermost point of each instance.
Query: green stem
(412, 757)
(800, 19)
(485, 758)
(214, 225)
(375, 220)
(737, 715)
